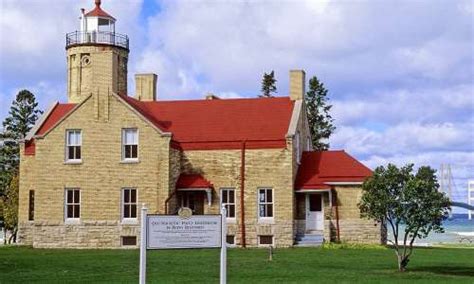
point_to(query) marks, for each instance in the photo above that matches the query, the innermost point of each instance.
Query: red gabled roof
(58, 112)
(318, 168)
(221, 124)
(98, 12)
(209, 124)
(192, 181)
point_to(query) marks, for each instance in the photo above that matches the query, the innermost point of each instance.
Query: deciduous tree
(409, 204)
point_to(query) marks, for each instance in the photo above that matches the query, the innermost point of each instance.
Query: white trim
(229, 219)
(68, 220)
(295, 116)
(266, 220)
(317, 191)
(122, 203)
(307, 206)
(130, 160)
(40, 121)
(67, 144)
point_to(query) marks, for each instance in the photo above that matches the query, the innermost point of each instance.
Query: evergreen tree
(23, 115)
(320, 121)
(268, 85)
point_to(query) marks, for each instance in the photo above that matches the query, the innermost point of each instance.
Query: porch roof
(319, 169)
(192, 181)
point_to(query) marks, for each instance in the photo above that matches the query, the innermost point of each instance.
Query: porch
(314, 217)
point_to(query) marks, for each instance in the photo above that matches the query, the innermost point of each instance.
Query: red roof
(209, 124)
(98, 12)
(318, 168)
(58, 112)
(192, 181)
(221, 124)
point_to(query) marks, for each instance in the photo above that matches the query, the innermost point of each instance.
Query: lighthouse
(97, 56)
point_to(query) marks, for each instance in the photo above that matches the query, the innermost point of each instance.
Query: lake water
(459, 223)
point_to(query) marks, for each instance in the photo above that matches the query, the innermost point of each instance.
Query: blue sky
(399, 73)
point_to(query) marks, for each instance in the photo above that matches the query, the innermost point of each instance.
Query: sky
(399, 73)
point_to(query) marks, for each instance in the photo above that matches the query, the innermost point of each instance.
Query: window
(308, 143)
(228, 200)
(73, 145)
(265, 202)
(31, 206)
(129, 241)
(230, 239)
(130, 144)
(129, 203)
(265, 240)
(73, 204)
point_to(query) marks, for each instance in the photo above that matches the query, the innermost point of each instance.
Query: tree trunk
(402, 263)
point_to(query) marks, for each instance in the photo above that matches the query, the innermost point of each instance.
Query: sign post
(223, 273)
(143, 246)
(181, 232)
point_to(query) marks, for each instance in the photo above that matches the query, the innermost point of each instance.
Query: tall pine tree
(320, 121)
(23, 115)
(268, 85)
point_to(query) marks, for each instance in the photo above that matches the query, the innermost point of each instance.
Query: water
(458, 223)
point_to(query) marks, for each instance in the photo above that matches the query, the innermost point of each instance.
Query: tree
(317, 108)
(409, 204)
(10, 210)
(23, 115)
(268, 85)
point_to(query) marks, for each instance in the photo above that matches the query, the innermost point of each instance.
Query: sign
(175, 232)
(183, 231)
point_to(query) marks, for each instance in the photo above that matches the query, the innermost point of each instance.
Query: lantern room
(97, 20)
(96, 27)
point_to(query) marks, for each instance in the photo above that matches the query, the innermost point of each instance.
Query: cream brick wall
(263, 168)
(101, 175)
(107, 71)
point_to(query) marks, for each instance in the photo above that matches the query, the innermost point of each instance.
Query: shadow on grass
(447, 270)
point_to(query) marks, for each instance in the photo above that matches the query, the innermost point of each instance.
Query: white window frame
(229, 219)
(265, 219)
(132, 220)
(69, 144)
(308, 143)
(124, 131)
(66, 204)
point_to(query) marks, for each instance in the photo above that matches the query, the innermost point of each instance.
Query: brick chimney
(145, 87)
(297, 84)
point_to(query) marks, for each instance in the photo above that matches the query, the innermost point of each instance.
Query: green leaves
(396, 196)
(268, 85)
(319, 119)
(23, 115)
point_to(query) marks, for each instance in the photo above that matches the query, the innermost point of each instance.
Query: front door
(314, 212)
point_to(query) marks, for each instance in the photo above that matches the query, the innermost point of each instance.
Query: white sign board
(174, 232)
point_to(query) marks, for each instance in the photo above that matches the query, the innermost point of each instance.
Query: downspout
(337, 216)
(242, 187)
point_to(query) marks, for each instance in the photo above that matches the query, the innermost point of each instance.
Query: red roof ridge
(206, 101)
(98, 12)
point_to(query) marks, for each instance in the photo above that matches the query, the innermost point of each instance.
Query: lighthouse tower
(97, 57)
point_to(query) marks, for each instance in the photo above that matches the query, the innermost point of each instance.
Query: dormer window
(73, 145)
(130, 144)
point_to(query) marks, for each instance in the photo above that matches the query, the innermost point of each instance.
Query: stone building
(89, 164)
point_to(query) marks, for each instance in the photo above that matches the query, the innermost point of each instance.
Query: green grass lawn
(297, 265)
